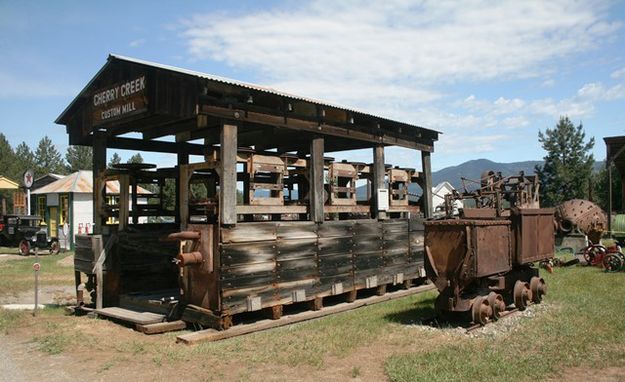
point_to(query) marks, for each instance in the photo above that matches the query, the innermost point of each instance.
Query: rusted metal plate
(492, 249)
(534, 234)
(416, 225)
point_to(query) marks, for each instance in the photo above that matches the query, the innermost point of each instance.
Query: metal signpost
(36, 268)
(29, 177)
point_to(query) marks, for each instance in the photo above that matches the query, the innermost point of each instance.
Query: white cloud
(618, 74)
(401, 42)
(137, 42)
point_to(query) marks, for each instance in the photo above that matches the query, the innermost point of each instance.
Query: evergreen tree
(79, 158)
(600, 192)
(115, 159)
(47, 158)
(25, 158)
(137, 158)
(8, 160)
(568, 164)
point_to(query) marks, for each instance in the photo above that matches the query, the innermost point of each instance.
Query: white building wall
(82, 213)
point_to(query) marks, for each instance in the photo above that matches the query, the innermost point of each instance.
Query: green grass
(583, 327)
(17, 275)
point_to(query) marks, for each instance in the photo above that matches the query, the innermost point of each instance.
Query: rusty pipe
(184, 235)
(189, 258)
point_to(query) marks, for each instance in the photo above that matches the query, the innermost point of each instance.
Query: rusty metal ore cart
(483, 261)
(253, 216)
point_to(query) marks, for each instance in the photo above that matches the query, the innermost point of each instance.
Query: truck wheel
(24, 247)
(54, 247)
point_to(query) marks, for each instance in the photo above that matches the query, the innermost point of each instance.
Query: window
(41, 206)
(64, 206)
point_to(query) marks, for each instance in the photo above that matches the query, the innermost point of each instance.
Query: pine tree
(47, 158)
(79, 158)
(600, 184)
(568, 163)
(115, 159)
(25, 157)
(137, 158)
(8, 160)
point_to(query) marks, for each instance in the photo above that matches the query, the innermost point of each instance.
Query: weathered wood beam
(311, 126)
(426, 164)
(99, 145)
(378, 181)
(170, 128)
(155, 146)
(316, 180)
(228, 175)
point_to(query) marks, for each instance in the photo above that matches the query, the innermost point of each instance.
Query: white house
(70, 200)
(438, 196)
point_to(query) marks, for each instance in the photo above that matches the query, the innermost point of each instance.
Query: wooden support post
(123, 201)
(427, 183)
(351, 295)
(380, 290)
(316, 303)
(228, 175)
(183, 158)
(378, 181)
(135, 202)
(273, 312)
(99, 165)
(183, 192)
(316, 180)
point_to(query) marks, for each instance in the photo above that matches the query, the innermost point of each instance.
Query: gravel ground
(9, 371)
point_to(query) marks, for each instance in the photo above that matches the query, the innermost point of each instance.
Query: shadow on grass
(421, 312)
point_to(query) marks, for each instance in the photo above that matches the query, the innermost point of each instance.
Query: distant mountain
(473, 170)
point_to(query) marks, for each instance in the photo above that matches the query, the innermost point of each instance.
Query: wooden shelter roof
(7, 184)
(172, 107)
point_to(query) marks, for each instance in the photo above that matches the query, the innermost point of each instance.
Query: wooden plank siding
(286, 262)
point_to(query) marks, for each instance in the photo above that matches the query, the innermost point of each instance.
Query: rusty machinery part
(582, 215)
(594, 254)
(497, 305)
(481, 310)
(522, 294)
(184, 235)
(190, 258)
(494, 189)
(614, 262)
(538, 288)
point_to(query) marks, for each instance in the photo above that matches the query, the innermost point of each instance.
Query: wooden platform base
(162, 327)
(131, 316)
(237, 330)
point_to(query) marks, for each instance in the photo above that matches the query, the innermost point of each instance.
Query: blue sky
(487, 74)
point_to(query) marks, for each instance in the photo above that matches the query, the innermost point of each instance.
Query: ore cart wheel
(538, 288)
(522, 294)
(480, 311)
(55, 247)
(226, 322)
(24, 247)
(497, 305)
(613, 262)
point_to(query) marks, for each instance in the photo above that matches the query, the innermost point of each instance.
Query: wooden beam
(314, 127)
(216, 335)
(124, 204)
(183, 159)
(228, 175)
(426, 164)
(378, 181)
(155, 146)
(316, 180)
(99, 165)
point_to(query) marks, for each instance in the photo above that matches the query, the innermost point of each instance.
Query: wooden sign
(119, 101)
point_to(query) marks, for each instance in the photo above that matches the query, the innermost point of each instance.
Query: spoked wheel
(594, 253)
(522, 294)
(538, 288)
(54, 247)
(497, 306)
(480, 311)
(613, 262)
(24, 247)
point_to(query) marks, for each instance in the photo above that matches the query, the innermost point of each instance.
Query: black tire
(24, 247)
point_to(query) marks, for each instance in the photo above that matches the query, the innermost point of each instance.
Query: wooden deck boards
(140, 318)
(215, 335)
